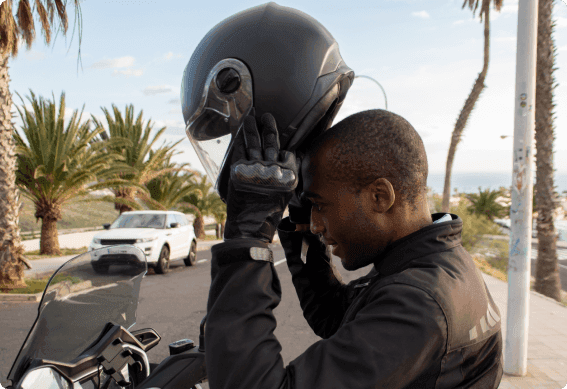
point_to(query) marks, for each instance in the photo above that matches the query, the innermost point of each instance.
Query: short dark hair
(376, 144)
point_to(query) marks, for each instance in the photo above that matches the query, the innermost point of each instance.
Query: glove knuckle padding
(258, 174)
(263, 177)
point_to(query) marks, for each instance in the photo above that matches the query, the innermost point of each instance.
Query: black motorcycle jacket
(421, 318)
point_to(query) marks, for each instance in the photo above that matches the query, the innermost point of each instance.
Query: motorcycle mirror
(44, 377)
(106, 226)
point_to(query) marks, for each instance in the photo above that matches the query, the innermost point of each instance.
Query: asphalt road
(173, 305)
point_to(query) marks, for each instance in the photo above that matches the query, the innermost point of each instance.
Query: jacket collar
(397, 256)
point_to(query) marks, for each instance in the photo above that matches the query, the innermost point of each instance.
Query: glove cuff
(242, 250)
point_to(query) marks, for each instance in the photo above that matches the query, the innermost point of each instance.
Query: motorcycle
(82, 337)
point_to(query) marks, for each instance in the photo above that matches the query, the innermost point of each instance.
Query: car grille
(109, 242)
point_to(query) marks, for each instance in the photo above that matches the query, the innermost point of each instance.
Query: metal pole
(516, 354)
(383, 91)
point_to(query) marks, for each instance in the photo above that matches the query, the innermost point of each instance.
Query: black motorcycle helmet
(267, 58)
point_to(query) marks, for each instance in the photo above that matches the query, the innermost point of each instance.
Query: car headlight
(143, 240)
(96, 241)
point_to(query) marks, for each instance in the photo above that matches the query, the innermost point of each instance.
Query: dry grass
(76, 214)
(486, 267)
(31, 255)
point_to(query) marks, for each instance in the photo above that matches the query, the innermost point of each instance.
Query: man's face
(343, 217)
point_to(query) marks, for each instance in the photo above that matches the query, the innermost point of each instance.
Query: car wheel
(162, 266)
(191, 258)
(99, 268)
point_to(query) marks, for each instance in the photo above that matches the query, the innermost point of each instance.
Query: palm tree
(202, 205)
(219, 213)
(142, 163)
(57, 162)
(168, 190)
(16, 23)
(484, 203)
(547, 270)
(474, 95)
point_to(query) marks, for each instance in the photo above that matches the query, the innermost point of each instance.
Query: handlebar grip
(179, 371)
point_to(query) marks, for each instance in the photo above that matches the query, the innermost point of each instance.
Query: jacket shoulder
(453, 281)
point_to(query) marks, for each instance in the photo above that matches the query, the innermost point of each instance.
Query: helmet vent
(228, 80)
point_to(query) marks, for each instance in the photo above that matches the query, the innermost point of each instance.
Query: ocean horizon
(469, 182)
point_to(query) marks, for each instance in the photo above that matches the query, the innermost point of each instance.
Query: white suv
(161, 235)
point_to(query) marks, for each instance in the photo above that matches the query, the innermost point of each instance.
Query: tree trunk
(49, 242)
(199, 227)
(222, 229)
(464, 115)
(547, 269)
(217, 230)
(11, 249)
(125, 193)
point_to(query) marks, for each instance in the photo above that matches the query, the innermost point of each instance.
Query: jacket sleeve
(323, 296)
(394, 338)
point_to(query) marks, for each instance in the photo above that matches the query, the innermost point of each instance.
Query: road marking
(202, 260)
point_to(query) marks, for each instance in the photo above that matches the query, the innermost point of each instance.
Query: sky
(425, 53)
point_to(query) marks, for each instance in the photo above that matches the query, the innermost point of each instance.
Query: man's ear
(383, 195)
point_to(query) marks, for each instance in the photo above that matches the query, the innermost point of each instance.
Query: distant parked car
(162, 235)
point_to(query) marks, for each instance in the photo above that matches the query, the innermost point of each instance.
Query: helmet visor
(225, 102)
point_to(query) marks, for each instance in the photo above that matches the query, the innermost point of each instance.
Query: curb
(37, 296)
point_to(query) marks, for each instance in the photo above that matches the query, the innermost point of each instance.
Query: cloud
(560, 22)
(175, 111)
(122, 62)
(69, 113)
(456, 22)
(509, 7)
(174, 101)
(128, 72)
(169, 56)
(174, 127)
(562, 48)
(154, 90)
(421, 14)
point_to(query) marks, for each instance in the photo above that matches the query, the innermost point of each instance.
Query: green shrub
(474, 226)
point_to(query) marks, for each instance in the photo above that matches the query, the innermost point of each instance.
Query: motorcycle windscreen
(82, 296)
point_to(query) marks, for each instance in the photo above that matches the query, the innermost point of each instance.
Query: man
(422, 318)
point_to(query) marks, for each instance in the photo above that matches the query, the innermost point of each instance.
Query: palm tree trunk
(464, 115)
(199, 226)
(547, 270)
(127, 194)
(217, 230)
(222, 230)
(49, 242)
(11, 249)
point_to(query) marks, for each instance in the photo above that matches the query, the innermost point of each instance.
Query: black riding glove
(261, 185)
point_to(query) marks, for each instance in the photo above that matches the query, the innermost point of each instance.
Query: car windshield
(139, 220)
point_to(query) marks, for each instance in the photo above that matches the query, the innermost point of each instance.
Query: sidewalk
(547, 340)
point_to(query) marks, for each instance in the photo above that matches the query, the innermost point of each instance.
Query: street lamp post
(516, 355)
(377, 83)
